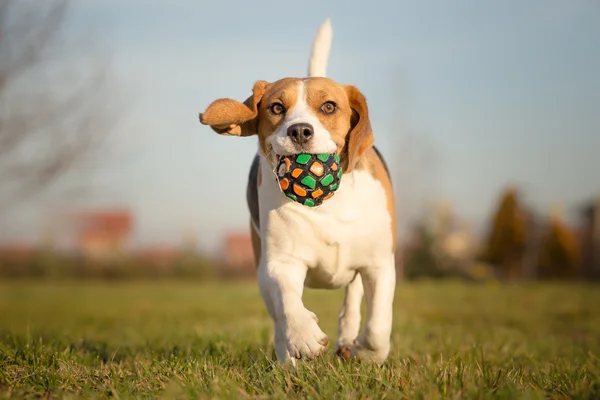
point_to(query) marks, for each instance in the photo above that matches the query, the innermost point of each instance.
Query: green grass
(190, 340)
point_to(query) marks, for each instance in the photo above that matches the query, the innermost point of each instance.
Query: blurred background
(486, 112)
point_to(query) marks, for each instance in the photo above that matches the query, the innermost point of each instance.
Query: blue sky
(500, 92)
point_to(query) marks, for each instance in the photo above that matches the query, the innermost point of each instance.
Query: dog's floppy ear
(360, 138)
(230, 117)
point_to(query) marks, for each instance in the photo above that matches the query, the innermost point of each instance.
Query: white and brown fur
(347, 242)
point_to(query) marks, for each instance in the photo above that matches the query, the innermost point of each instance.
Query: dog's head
(293, 115)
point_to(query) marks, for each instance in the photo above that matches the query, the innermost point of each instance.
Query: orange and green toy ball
(309, 179)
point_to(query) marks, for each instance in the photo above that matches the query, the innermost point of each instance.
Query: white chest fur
(349, 231)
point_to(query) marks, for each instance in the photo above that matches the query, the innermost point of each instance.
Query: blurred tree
(53, 105)
(419, 257)
(422, 258)
(506, 242)
(559, 252)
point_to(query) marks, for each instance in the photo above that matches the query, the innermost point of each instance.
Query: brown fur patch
(230, 117)
(259, 177)
(360, 138)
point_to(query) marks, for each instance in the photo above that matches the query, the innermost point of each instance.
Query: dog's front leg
(379, 282)
(284, 284)
(279, 336)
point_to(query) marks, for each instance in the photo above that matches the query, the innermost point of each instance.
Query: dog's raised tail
(317, 64)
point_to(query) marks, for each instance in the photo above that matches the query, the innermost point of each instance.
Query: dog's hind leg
(349, 317)
(379, 282)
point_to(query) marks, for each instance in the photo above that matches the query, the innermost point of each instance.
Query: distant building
(238, 256)
(17, 252)
(104, 235)
(162, 257)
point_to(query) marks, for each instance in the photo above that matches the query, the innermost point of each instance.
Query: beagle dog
(346, 242)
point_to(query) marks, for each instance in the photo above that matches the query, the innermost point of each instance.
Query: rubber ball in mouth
(309, 179)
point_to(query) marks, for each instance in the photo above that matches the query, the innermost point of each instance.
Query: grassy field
(192, 340)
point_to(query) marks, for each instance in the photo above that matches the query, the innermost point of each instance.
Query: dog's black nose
(300, 133)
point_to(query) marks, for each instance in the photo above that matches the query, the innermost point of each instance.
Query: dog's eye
(328, 107)
(276, 108)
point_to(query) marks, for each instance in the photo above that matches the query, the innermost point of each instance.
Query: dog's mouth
(280, 147)
(297, 149)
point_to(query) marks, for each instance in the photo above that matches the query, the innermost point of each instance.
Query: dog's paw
(305, 340)
(343, 348)
(369, 350)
